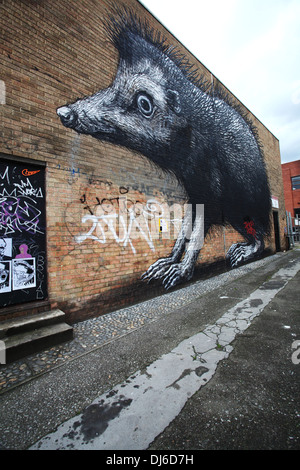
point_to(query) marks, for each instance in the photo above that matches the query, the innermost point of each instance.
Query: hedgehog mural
(158, 106)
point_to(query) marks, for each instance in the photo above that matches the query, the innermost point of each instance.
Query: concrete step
(25, 336)
(18, 325)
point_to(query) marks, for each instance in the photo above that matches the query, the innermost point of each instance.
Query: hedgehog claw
(170, 274)
(175, 275)
(156, 270)
(235, 254)
(241, 252)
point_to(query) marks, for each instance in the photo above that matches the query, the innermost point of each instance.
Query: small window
(296, 182)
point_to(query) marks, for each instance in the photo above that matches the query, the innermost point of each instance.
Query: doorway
(22, 231)
(276, 230)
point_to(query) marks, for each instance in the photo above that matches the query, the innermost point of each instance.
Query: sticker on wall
(5, 249)
(5, 276)
(163, 225)
(23, 273)
(159, 107)
(23, 252)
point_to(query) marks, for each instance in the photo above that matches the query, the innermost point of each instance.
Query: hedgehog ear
(174, 100)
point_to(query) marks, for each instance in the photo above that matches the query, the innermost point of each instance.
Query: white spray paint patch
(131, 415)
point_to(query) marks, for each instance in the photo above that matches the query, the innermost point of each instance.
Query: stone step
(29, 335)
(18, 325)
(30, 342)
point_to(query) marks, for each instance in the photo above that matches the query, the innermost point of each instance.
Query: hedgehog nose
(67, 115)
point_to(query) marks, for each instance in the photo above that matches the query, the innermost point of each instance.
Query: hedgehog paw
(238, 253)
(176, 274)
(157, 269)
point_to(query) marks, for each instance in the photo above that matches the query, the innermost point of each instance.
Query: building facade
(291, 186)
(82, 218)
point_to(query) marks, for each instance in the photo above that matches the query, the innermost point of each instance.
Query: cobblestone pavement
(93, 333)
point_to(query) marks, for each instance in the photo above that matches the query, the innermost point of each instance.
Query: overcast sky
(253, 48)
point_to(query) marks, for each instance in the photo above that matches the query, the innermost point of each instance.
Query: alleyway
(214, 366)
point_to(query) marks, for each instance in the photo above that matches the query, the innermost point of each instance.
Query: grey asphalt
(221, 371)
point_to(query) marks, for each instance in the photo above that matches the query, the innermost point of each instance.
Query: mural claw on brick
(159, 107)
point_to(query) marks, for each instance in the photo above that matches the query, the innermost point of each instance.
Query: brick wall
(53, 52)
(292, 197)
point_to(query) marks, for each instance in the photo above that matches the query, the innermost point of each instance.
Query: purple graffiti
(23, 252)
(18, 216)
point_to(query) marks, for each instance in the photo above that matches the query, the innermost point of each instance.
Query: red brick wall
(292, 197)
(54, 52)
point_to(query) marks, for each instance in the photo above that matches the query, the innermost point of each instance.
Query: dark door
(276, 230)
(22, 232)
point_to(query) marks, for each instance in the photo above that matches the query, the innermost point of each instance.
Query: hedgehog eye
(145, 104)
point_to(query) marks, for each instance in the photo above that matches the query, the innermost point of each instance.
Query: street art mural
(116, 215)
(22, 233)
(159, 107)
(123, 221)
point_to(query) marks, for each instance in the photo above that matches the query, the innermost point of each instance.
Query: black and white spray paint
(159, 107)
(22, 233)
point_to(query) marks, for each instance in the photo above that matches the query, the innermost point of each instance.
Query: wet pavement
(93, 333)
(106, 370)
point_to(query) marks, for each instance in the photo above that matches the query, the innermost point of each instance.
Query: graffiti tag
(249, 226)
(25, 172)
(18, 216)
(126, 224)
